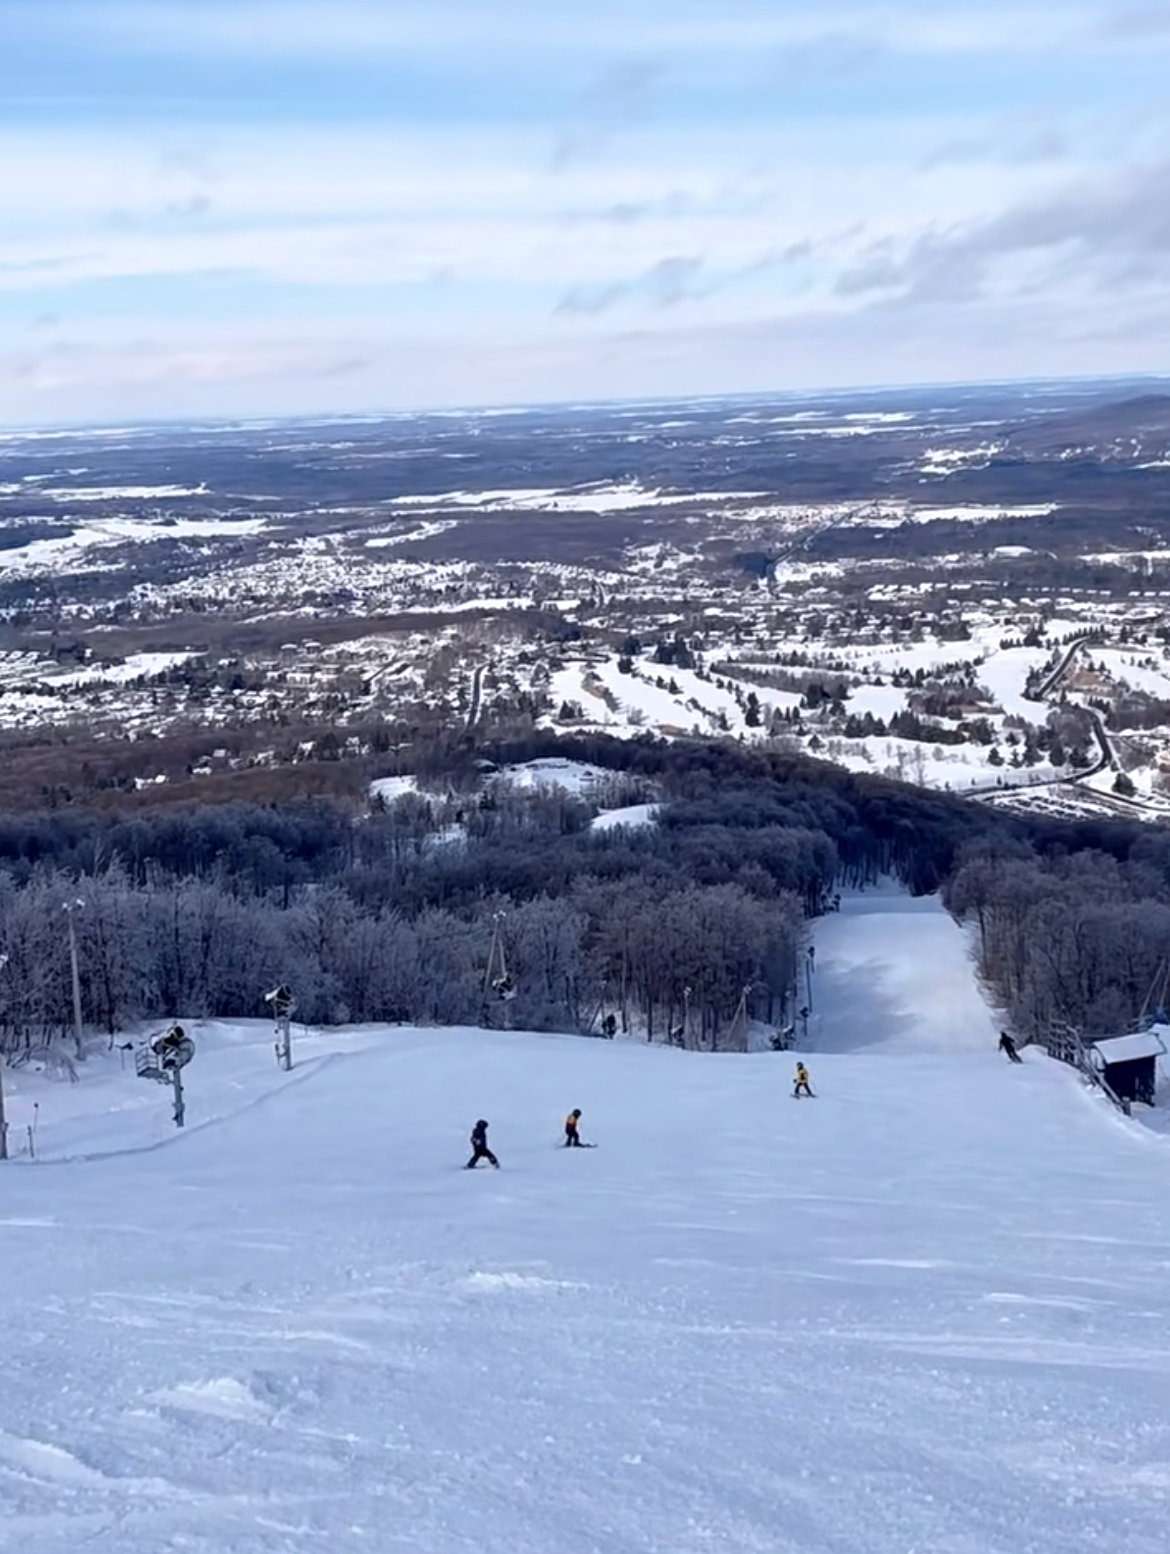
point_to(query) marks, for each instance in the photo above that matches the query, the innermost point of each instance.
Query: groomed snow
(927, 1311)
(894, 971)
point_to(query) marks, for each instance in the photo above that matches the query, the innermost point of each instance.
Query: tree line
(681, 930)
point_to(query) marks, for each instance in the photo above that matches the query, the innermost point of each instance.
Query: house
(1129, 1064)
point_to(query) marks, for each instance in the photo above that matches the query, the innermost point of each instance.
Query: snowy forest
(686, 926)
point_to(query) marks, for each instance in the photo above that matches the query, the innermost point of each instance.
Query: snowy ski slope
(893, 972)
(927, 1313)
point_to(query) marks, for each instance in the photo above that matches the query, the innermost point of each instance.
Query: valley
(960, 589)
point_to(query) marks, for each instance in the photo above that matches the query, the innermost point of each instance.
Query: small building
(1129, 1064)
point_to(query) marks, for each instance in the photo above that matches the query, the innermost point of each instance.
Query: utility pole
(69, 909)
(283, 1004)
(808, 971)
(3, 1117)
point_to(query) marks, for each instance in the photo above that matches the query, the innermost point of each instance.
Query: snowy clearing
(628, 815)
(602, 497)
(576, 777)
(136, 667)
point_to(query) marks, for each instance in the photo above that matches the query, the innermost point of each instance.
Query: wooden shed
(1129, 1064)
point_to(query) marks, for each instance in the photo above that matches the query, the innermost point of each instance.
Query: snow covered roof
(1126, 1049)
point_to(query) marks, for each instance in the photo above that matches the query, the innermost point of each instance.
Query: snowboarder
(800, 1085)
(609, 1026)
(479, 1147)
(1006, 1044)
(572, 1137)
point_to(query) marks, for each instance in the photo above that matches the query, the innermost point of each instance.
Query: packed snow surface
(927, 1311)
(894, 971)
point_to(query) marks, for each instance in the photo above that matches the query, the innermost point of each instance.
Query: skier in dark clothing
(479, 1147)
(1006, 1044)
(572, 1137)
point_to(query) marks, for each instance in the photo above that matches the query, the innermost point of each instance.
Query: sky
(259, 208)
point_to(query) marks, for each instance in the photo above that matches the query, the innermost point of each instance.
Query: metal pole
(70, 908)
(808, 970)
(284, 1042)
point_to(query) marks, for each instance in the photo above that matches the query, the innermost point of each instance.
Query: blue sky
(258, 208)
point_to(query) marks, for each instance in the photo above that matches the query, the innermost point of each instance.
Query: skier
(479, 1147)
(1006, 1044)
(800, 1086)
(572, 1137)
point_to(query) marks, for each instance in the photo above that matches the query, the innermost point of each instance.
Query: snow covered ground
(927, 1312)
(894, 972)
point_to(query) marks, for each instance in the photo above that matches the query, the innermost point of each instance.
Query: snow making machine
(163, 1059)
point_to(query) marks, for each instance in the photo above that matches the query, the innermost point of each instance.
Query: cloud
(287, 367)
(831, 55)
(360, 29)
(1009, 145)
(620, 97)
(663, 285)
(680, 278)
(1138, 22)
(1090, 234)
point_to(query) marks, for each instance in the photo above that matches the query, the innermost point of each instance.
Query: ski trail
(894, 972)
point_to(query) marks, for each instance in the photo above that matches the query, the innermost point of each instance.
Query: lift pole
(75, 975)
(282, 1003)
(284, 1043)
(3, 1118)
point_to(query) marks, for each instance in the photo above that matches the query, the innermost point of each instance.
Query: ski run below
(927, 1312)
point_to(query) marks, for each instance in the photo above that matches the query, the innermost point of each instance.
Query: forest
(684, 929)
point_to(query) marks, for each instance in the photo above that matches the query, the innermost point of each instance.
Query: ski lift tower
(282, 1003)
(163, 1059)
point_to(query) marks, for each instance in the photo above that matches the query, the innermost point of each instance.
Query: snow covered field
(927, 1313)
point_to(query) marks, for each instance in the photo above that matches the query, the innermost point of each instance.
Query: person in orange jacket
(572, 1136)
(801, 1085)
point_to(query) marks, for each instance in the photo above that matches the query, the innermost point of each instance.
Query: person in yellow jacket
(801, 1085)
(572, 1137)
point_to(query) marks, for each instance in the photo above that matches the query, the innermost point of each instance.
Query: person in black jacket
(1006, 1044)
(479, 1147)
